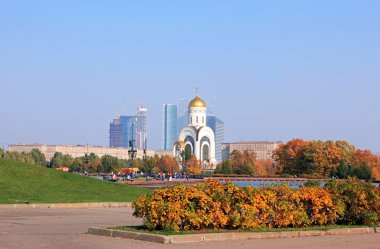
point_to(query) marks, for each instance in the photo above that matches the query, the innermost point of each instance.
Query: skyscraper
(182, 115)
(116, 136)
(169, 126)
(217, 126)
(128, 126)
(141, 132)
(126, 129)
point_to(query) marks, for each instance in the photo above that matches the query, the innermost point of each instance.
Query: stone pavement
(66, 228)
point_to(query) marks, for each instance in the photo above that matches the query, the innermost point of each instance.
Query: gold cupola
(197, 102)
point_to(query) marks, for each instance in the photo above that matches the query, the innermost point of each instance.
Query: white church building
(197, 137)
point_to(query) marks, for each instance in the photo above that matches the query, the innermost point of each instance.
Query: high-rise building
(141, 132)
(182, 115)
(128, 126)
(127, 129)
(217, 126)
(169, 126)
(116, 135)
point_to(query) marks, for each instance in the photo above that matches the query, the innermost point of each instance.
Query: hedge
(213, 205)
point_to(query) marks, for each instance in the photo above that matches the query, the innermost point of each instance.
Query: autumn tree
(150, 164)
(366, 159)
(265, 168)
(168, 164)
(326, 158)
(193, 166)
(290, 157)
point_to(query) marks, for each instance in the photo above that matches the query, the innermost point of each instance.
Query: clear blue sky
(274, 70)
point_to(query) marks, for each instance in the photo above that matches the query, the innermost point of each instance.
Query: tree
(57, 160)
(168, 164)
(193, 166)
(150, 164)
(1, 153)
(77, 165)
(290, 157)
(224, 167)
(265, 168)
(364, 159)
(109, 163)
(38, 157)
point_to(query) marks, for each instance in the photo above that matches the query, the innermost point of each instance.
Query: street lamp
(132, 151)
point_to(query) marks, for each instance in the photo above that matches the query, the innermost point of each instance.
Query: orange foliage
(265, 168)
(366, 157)
(168, 164)
(212, 205)
(193, 166)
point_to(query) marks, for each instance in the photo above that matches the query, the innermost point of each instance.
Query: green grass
(20, 182)
(143, 229)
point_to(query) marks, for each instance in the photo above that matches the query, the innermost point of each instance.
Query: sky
(271, 70)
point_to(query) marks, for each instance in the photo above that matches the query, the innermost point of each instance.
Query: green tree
(224, 167)
(77, 165)
(38, 157)
(362, 172)
(109, 163)
(57, 160)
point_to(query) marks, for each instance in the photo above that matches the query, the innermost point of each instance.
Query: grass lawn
(20, 182)
(143, 229)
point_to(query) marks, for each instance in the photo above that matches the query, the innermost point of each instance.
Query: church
(197, 137)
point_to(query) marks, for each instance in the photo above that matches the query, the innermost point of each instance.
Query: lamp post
(132, 151)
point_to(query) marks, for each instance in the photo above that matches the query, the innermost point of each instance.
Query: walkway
(66, 228)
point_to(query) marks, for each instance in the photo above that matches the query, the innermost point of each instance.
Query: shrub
(361, 201)
(213, 205)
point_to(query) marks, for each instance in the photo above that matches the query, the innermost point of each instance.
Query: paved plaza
(66, 228)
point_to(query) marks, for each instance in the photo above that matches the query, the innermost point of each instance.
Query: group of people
(169, 176)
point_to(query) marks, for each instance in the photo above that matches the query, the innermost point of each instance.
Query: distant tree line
(326, 159)
(33, 157)
(93, 164)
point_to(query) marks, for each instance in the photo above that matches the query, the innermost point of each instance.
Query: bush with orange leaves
(213, 205)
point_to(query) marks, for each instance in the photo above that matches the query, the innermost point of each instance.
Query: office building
(141, 131)
(182, 115)
(169, 126)
(125, 130)
(116, 135)
(263, 150)
(217, 126)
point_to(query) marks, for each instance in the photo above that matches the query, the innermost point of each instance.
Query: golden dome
(197, 102)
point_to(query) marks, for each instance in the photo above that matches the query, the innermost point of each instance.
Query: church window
(203, 120)
(191, 119)
(197, 120)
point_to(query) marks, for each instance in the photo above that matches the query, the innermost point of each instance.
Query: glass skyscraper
(121, 131)
(125, 129)
(217, 126)
(169, 126)
(128, 127)
(116, 133)
(182, 115)
(141, 132)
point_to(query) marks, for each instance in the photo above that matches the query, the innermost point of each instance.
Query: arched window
(191, 119)
(203, 120)
(197, 120)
